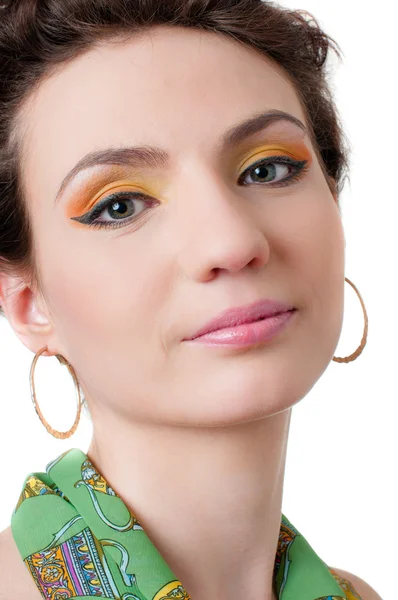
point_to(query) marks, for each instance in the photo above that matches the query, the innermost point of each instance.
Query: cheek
(315, 246)
(103, 290)
(309, 230)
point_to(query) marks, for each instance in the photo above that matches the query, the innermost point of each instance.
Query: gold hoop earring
(57, 434)
(362, 345)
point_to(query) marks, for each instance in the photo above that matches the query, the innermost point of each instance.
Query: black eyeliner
(300, 167)
(87, 218)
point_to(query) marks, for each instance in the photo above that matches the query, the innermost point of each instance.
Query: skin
(210, 425)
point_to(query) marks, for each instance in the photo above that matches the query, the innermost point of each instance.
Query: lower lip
(247, 334)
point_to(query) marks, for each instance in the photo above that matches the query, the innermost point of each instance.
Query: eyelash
(300, 168)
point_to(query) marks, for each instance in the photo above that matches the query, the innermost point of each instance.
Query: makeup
(247, 334)
(295, 150)
(88, 192)
(97, 186)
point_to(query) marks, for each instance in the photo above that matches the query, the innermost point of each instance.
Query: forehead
(176, 88)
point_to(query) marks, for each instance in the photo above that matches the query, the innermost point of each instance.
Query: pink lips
(246, 325)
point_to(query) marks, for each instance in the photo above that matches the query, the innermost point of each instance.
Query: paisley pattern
(287, 535)
(345, 585)
(94, 482)
(74, 568)
(170, 591)
(78, 539)
(35, 487)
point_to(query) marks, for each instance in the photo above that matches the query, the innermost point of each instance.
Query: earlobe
(24, 312)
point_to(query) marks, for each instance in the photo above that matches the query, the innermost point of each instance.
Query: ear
(27, 314)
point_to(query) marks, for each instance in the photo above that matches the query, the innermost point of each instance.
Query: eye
(276, 171)
(123, 206)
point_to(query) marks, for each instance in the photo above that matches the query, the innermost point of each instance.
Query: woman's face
(196, 230)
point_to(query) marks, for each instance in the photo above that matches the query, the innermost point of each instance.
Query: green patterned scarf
(79, 540)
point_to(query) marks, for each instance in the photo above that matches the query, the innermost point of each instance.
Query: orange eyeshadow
(104, 183)
(93, 191)
(297, 151)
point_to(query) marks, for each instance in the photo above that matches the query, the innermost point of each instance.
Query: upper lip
(238, 315)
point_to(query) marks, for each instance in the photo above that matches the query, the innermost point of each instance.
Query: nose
(217, 230)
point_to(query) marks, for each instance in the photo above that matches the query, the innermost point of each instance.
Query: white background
(340, 486)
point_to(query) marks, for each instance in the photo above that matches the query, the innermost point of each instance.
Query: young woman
(170, 229)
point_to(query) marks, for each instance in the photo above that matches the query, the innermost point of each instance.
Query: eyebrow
(152, 157)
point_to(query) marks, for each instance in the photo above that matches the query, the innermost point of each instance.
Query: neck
(209, 499)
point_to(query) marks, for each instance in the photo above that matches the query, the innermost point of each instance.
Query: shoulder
(15, 581)
(358, 585)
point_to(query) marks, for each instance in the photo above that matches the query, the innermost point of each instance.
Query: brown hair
(38, 35)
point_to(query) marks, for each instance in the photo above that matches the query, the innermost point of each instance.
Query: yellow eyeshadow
(116, 185)
(297, 152)
(86, 201)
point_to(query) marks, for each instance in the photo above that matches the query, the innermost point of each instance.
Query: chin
(240, 395)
